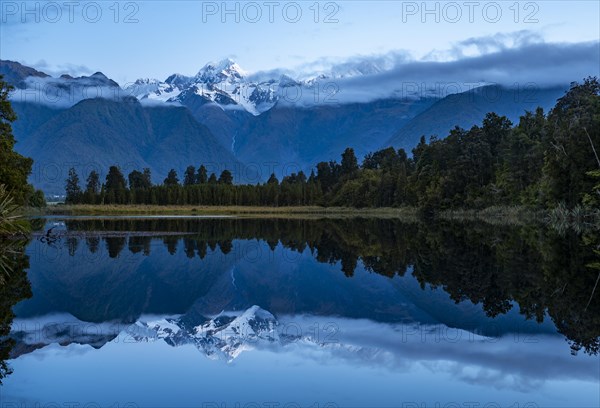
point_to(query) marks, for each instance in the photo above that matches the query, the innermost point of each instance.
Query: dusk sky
(129, 40)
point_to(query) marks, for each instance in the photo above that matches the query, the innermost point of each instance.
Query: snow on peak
(227, 85)
(224, 70)
(146, 81)
(155, 90)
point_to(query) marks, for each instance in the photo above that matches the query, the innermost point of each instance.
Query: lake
(322, 313)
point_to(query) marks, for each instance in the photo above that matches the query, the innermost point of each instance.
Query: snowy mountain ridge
(222, 337)
(229, 86)
(224, 83)
(226, 336)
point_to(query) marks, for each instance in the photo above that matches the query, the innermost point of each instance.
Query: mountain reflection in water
(485, 304)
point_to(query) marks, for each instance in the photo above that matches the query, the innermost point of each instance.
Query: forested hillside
(543, 160)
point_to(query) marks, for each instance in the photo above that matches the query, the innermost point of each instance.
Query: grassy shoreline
(498, 215)
(94, 210)
(495, 215)
(560, 219)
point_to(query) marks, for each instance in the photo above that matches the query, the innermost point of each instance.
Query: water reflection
(14, 287)
(374, 292)
(543, 272)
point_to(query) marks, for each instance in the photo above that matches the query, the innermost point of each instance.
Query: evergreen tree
(72, 189)
(496, 129)
(226, 177)
(349, 162)
(301, 177)
(115, 187)
(202, 177)
(136, 180)
(328, 175)
(273, 180)
(172, 179)
(93, 183)
(114, 179)
(190, 176)
(147, 178)
(92, 188)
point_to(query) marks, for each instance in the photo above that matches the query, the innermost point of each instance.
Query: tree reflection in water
(14, 287)
(548, 273)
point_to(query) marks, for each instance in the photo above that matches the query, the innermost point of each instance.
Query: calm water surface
(226, 312)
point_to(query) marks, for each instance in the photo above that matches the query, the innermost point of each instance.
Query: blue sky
(128, 40)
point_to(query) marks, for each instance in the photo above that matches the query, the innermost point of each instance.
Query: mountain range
(254, 335)
(222, 337)
(252, 124)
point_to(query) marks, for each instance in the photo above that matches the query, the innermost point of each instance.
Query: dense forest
(544, 160)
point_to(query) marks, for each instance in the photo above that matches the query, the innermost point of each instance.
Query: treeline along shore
(545, 161)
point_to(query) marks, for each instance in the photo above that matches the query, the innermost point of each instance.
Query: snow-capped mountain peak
(228, 86)
(223, 337)
(223, 83)
(224, 70)
(154, 89)
(147, 81)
